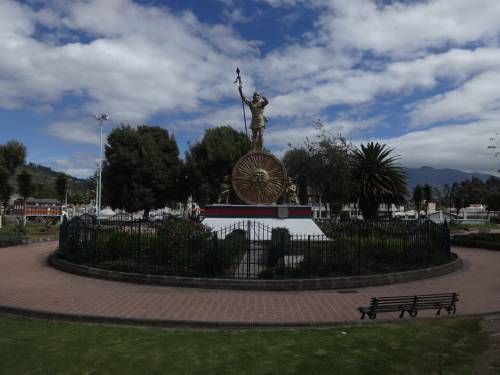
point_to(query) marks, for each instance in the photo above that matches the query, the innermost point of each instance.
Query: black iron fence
(249, 249)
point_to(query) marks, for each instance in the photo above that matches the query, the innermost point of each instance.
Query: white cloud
(140, 60)
(236, 15)
(462, 147)
(137, 61)
(356, 86)
(73, 131)
(79, 165)
(477, 98)
(403, 27)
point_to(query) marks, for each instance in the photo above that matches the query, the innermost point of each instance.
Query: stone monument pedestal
(296, 218)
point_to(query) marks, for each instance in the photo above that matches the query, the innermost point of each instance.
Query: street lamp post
(100, 119)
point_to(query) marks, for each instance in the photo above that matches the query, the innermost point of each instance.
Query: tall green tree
(417, 197)
(142, 168)
(378, 178)
(212, 158)
(473, 191)
(427, 197)
(61, 185)
(493, 201)
(5, 187)
(24, 184)
(12, 156)
(322, 167)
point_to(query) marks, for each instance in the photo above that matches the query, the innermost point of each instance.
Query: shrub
(280, 245)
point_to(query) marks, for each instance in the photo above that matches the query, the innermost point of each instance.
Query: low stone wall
(259, 284)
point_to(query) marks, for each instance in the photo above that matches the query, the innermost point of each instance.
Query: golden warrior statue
(258, 119)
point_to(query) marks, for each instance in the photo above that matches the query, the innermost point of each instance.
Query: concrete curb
(202, 324)
(259, 285)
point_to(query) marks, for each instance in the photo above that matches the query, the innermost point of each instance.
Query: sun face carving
(258, 178)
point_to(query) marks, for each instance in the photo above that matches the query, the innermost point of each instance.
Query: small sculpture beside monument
(225, 193)
(292, 192)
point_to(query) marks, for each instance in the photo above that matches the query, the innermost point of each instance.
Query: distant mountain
(43, 179)
(438, 177)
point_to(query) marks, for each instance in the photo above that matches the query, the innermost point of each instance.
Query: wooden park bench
(411, 304)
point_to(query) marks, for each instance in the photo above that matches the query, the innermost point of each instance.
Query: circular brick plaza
(29, 285)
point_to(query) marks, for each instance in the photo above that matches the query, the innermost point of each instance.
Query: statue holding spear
(256, 105)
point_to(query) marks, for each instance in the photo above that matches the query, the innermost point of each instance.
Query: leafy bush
(12, 240)
(280, 245)
(179, 245)
(481, 240)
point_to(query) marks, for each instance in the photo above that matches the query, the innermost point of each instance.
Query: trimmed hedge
(12, 240)
(490, 241)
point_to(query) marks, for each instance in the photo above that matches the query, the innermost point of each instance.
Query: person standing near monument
(258, 123)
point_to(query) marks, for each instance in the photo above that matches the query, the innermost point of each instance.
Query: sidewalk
(27, 282)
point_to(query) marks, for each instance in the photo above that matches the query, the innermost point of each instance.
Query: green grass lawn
(446, 346)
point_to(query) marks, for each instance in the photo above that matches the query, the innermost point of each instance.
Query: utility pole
(101, 119)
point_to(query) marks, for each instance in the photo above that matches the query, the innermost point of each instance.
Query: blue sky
(421, 76)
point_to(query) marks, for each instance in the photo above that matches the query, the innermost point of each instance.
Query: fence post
(139, 249)
(446, 232)
(249, 225)
(429, 249)
(308, 260)
(359, 247)
(215, 249)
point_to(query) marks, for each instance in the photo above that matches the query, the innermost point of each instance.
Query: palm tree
(377, 178)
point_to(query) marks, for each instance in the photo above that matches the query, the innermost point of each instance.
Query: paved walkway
(27, 282)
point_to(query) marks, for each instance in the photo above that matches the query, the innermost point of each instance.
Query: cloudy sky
(421, 76)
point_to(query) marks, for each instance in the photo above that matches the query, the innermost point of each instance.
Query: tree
(418, 193)
(212, 158)
(61, 185)
(427, 197)
(142, 168)
(5, 187)
(378, 178)
(473, 191)
(77, 198)
(24, 184)
(12, 155)
(322, 167)
(493, 201)
(493, 184)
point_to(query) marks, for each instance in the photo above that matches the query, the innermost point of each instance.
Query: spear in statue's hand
(238, 78)
(240, 85)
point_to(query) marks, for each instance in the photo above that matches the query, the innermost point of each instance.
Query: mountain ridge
(438, 177)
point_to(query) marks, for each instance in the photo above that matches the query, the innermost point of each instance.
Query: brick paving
(27, 282)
